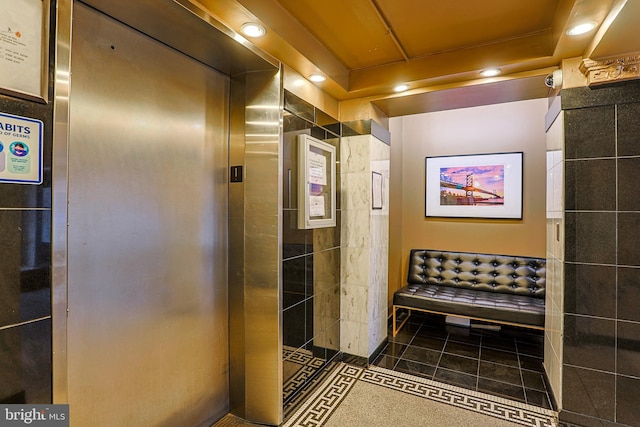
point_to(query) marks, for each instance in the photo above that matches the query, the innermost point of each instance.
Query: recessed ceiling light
(583, 28)
(317, 78)
(401, 88)
(490, 72)
(251, 29)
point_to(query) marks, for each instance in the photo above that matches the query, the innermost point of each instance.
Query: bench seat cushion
(496, 306)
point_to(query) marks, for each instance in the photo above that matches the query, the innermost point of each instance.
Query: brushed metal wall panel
(256, 248)
(147, 236)
(237, 345)
(59, 202)
(263, 236)
(194, 37)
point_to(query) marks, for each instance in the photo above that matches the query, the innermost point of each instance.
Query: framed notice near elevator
(24, 48)
(20, 149)
(316, 183)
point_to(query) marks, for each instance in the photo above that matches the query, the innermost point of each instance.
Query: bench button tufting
(495, 274)
(475, 272)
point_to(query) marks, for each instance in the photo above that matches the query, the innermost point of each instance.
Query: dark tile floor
(505, 363)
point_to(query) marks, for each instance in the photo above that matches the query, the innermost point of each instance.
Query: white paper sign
(317, 168)
(21, 46)
(316, 206)
(20, 149)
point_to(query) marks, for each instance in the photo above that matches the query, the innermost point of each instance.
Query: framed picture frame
(474, 186)
(24, 49)
(316, 183)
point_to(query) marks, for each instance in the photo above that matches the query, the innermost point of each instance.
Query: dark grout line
(446, 340)
(395, 365)
(526, 398)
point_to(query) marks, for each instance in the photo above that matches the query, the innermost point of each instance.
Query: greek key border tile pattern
(308, 375)
(486, 404)
(320, 406)
(301, 376)
(300, 357)
(299, 398)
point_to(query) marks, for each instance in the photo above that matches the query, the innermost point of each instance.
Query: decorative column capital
(612, 70)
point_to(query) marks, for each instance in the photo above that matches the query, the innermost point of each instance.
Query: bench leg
(396, 328)
(395, 331)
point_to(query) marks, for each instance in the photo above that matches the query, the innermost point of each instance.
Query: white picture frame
(474, 186)
(316, 183)
(24, 49)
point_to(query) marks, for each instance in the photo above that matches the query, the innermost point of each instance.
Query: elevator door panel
(147, 232)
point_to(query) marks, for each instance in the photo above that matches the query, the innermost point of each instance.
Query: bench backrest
(486, 272)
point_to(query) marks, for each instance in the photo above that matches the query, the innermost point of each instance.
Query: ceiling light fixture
(252, 29)
(317, 78)
(401, 88)
(583, 28)
(490, 72)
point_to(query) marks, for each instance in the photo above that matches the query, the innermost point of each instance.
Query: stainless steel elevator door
(147, 232)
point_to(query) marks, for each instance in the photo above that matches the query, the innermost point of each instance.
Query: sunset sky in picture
(490, 178)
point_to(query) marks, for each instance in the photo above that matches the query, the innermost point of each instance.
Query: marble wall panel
(365, 246)
(354, 154)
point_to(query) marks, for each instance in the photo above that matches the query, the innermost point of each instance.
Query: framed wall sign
(24, 48)
(474, 186)
(377, 186)
(316, 183)
(21, 141)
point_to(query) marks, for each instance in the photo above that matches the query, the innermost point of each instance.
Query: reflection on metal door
(147, 236)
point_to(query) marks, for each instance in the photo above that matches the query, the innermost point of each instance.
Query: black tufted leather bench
(496, 288)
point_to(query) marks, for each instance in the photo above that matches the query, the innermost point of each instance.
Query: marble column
(365, 244)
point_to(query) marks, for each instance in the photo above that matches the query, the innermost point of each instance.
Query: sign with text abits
(20, 149)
